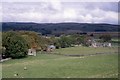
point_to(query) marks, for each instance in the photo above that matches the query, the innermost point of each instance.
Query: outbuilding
(51, 48)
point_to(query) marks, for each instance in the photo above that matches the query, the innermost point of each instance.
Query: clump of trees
(16, 43)
(15, 46)
(36, 40)
(105, 38)
(71, 40)
(65, 41)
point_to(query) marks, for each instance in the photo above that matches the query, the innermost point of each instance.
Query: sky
(57, 11)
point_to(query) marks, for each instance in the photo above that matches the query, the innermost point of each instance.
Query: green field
(86, 50)
(60, 66)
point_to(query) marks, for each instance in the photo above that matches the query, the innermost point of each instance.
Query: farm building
(98, 44)
(94, 43)
(32, 51)
(51, 48)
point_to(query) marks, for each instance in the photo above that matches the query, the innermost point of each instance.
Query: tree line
(15, 44)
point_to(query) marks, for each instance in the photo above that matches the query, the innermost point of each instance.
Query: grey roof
(51, 46)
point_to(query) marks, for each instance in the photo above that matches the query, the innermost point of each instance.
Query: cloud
(60, 0)
(56, 11)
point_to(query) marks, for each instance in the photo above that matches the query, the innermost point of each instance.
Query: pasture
(60, 66)
(86, 50)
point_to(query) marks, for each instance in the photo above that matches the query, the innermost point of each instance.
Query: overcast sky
(58, 11)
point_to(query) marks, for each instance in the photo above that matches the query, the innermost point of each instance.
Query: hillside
(52, 28)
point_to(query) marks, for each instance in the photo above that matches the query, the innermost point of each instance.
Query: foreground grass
(58, 66)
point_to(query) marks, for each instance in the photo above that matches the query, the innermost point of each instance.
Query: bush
(15, 45)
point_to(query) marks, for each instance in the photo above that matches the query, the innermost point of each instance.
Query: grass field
(86, 50)
(59, 66)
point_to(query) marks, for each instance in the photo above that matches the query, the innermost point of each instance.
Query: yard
(60, 66)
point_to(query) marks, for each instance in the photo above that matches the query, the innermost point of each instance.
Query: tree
(32, 38)
(36, 40)
(105, 37)
(15, 45)
(0, 45)
(66, 41)
(87, 40)
(80, 39)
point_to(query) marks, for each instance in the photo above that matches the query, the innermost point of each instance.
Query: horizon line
(59, 22)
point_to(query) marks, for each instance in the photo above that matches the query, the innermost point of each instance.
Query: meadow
(86, 50)
(60, 66)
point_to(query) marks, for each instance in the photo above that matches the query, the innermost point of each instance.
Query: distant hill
(52, 28)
